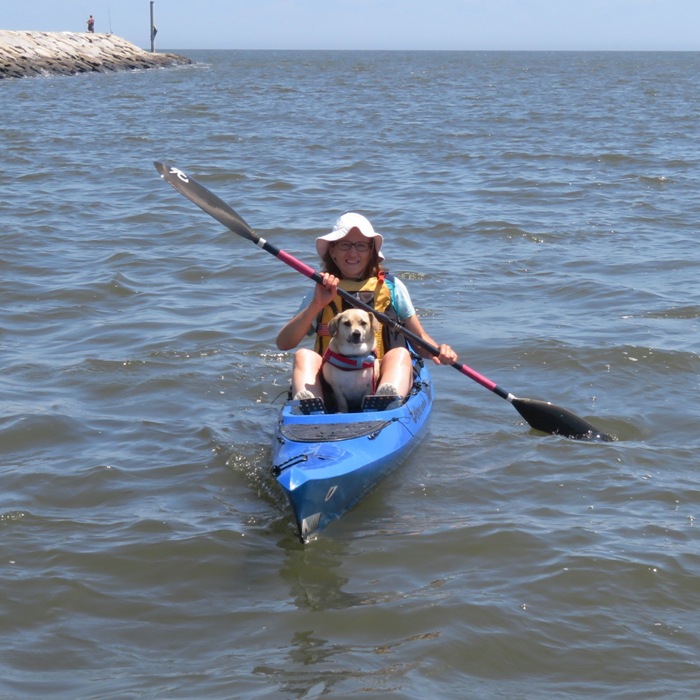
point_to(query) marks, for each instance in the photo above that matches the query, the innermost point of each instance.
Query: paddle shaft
(540, 415)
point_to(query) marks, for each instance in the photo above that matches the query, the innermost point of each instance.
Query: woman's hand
(324, 295)
(447, 355)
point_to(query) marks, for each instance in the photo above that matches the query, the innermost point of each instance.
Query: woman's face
(352, 263)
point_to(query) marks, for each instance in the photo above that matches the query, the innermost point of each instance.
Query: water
(543, 209)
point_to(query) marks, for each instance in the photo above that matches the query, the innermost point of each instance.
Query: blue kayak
(326, 462)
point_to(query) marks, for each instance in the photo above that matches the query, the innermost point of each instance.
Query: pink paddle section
(296, 264)
(479, 378)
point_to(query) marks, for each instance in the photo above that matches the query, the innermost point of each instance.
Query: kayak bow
(326, 462)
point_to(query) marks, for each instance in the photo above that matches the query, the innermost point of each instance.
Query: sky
(534, 25)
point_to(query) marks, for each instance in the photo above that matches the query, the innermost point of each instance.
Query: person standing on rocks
(91, 24)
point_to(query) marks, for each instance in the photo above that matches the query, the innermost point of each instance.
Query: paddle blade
(545, 416)
(206, 200)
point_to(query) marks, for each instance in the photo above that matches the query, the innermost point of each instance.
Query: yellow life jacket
(374, 292)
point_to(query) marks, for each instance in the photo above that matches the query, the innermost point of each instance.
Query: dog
(350, 367)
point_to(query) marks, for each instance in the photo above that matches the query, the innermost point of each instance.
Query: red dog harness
(350, 363)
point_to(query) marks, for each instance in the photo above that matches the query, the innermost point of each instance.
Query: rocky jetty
(25, 54)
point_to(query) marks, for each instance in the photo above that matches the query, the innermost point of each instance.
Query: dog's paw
(303, 394)
(387, 389)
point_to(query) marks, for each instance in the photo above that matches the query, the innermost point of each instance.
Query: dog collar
(349, 362)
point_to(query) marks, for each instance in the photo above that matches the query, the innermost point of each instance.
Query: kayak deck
(325, 463)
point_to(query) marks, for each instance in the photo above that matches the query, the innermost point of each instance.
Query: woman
(352, 259)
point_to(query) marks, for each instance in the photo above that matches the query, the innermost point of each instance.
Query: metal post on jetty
(154, 31)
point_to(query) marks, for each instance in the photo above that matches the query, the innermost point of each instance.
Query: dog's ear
(333, 327)
(375, 324)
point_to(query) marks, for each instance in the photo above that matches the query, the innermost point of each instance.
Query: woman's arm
(294, 331)
(407, 312)
(296, 328)
(447, 355)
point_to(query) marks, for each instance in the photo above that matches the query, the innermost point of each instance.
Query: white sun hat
(343, 226)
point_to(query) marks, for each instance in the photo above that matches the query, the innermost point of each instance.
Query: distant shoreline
(26, 53)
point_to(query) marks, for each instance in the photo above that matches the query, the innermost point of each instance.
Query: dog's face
(352, 332)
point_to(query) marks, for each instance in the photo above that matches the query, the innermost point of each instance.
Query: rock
(24, 54)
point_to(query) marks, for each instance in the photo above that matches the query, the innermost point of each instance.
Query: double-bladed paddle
(541, 415)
